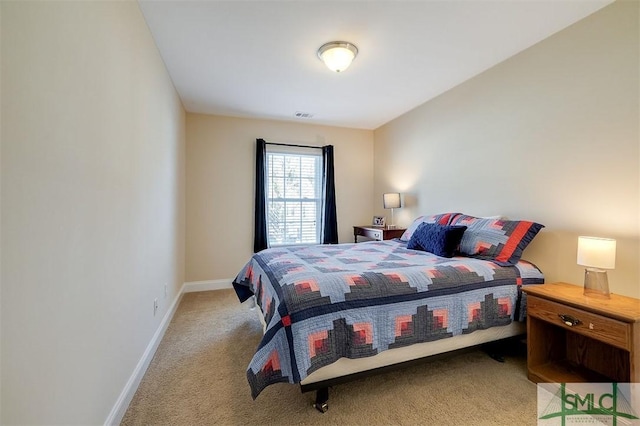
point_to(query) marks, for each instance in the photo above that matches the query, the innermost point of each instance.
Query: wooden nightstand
(574, 338)
(377, 233)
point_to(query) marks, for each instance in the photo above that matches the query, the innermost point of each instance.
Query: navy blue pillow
(438, 239)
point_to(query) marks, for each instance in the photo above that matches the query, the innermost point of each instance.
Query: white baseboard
(193, 286)
(121, 405)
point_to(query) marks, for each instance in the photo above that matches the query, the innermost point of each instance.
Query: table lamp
(391, 200)
(596, 255)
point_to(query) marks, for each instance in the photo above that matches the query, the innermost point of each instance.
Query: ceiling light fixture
(337, 55)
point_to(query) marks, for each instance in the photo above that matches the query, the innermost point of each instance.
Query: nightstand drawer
(376, 235)
(379, 234)
(611, 331)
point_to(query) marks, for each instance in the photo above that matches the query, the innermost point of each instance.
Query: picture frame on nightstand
(379, 221)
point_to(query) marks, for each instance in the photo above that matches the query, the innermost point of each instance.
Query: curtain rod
(297, 146)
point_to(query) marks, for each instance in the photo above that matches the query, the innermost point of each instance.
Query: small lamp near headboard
(596, 255)
(391, 200)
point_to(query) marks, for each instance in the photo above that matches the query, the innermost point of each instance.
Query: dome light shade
(337, 55)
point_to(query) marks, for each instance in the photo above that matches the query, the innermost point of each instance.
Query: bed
(335, 311)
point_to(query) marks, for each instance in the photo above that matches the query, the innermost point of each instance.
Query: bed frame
(346, 370)
(493, 341)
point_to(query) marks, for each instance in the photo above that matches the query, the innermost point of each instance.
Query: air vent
(301, 114)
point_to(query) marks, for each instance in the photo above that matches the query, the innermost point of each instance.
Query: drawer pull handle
(570, 321)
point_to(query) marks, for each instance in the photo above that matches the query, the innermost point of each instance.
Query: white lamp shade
(391, 200)
(337, 55)
(597, 252)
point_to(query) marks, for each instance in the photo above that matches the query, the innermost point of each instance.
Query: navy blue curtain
(260, 233)
(329, 216)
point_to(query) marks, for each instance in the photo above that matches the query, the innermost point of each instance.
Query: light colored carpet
(197, 377)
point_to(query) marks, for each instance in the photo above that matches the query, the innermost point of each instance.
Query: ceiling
(258, 58)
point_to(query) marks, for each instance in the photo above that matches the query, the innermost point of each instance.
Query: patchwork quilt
(321, 303)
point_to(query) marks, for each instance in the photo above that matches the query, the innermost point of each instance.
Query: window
(294, 196)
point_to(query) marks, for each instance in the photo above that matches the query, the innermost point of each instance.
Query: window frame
(298, 153)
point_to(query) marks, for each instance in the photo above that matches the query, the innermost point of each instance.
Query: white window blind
(293, 195)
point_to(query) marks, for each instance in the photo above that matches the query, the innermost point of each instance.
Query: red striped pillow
(502, 241)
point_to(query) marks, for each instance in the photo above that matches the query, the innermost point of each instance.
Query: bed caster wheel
(322, 398)
(497, 357)
(322, 407)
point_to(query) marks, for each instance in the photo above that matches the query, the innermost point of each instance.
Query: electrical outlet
(165, 290)
(155, 306)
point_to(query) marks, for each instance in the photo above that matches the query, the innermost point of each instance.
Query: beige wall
(550, 135)
(220, 185)
(93, 163)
